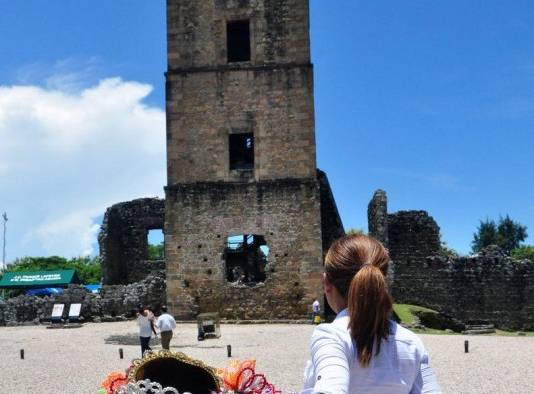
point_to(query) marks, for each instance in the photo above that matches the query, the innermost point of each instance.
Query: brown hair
(356, 266)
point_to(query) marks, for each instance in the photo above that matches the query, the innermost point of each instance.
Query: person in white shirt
(145, 321)
(165, 324)
(363, 351)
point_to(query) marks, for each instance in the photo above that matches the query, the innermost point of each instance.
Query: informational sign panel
(57, 311)
(74, 310)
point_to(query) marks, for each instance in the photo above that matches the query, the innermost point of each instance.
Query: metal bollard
(22, 354)
(229, 350)
(121, 353)
(466, 346)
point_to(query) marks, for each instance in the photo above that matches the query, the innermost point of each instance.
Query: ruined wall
(377, 214)
(488, 287)
(274, 104)
(112, 303)
(270, 96)
(196, 31)
(199, 219)
(331, 225)
(123, 240)
(412, 235)
(209, 99)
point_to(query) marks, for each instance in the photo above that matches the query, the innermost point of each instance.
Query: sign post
(57, 313)
(74, 313)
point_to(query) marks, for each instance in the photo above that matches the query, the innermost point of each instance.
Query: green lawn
(405, 312)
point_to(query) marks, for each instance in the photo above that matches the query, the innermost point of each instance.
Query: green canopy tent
(36, 279)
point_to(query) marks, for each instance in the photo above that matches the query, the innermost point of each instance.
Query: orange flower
(230, 374)
(113, 381)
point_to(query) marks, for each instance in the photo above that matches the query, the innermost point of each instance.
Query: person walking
(145, 321)
(316, 312)
(165, 324)
(363, 350)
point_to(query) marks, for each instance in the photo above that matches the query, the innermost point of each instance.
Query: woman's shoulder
(337, 331)
(404, 335)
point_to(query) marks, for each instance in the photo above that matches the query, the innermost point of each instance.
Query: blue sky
(431, 101)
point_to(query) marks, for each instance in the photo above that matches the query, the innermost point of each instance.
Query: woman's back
(400, 367)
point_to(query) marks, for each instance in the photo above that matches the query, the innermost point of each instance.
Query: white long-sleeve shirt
(401, 367)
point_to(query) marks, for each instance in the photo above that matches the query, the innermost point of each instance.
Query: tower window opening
(246, 256)
(238, 41)
(241, 151)
(155, 244)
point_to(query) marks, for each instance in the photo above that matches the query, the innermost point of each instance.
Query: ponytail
(356, 265)
(370, 307)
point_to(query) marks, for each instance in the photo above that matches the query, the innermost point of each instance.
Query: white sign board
(74, 310)
(57, 311)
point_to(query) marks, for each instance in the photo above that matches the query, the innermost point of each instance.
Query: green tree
(486, 235)
(156, 252)
(508, 234)
(511, 234)
(523, 252)
(355, 231)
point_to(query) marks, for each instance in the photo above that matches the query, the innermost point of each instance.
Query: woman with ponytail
(362, 350)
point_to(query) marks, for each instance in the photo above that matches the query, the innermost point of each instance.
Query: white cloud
(66, 155)
(58, 234)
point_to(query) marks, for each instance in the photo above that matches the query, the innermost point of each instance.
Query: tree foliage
(355, 231)
(156, 252)
(87, 268)
(507, 234)
(523, 252)
(447, 251)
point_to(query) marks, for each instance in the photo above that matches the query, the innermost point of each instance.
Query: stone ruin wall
(112, 303)
(489, 287)
(123, 240)
(287, 212)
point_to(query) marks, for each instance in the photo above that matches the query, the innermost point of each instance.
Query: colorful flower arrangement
(239, 377)
(113, 382)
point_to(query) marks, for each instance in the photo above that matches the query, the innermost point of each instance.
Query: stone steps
(479, 329)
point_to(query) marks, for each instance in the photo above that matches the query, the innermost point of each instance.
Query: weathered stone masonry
(123, 240)
(269, 97)
(112, 303)
(489, 287)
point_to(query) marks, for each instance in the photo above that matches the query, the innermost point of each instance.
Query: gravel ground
(76, 360)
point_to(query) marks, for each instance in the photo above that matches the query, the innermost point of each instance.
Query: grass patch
(405, 312)
(512, 333)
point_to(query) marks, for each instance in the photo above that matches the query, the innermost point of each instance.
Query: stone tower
(243, 232)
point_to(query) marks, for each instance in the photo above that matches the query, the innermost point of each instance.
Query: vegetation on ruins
(523, 252)
(506, 234)
(447, 251)
(87, 268)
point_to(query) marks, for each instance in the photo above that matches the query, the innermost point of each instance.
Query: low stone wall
(489, 287)
(112, 303)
